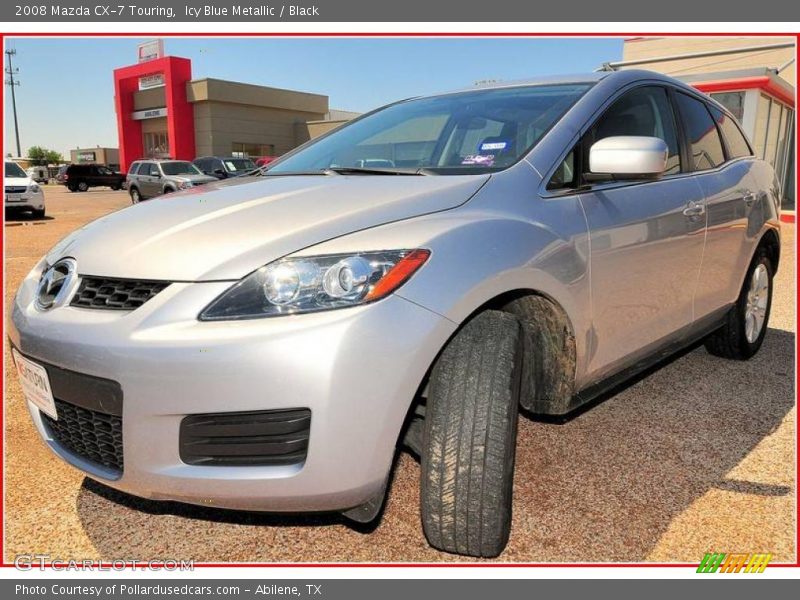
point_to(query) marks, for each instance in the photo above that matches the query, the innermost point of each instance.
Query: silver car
(151, 178)
(411, 278)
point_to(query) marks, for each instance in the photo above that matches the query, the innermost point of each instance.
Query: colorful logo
(734, 563)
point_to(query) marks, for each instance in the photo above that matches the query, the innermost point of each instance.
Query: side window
(644, 111)
(154, 172)
(134, 168)
(705, 145)
(734, 138)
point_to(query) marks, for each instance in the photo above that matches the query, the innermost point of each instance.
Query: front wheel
(116, 188)
(83, 186)
(470, 437)
(746, 324)
(136, 197)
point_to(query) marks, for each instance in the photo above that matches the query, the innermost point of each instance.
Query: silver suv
(414, 277)
(150, 178)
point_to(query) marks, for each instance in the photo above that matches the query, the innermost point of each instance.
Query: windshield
(469, 132)
(235, 165)
(179, 168)
(14, 170)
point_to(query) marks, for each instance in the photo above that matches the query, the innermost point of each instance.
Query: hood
(193, 178)
(218, 232)
(17, 181)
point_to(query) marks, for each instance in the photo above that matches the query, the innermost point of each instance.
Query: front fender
(478, 255)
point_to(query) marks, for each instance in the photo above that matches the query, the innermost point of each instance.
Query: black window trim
(672, 89)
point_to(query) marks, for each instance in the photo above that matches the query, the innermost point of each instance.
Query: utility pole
(10, 71)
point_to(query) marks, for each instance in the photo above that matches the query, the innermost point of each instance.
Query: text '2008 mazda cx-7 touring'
(414, 277)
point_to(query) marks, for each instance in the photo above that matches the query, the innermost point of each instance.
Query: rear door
(103, 176)
(723, 163)
(646, 239)
(149, 180)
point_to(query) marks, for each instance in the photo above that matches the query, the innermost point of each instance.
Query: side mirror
(219, 172)
(627, 157)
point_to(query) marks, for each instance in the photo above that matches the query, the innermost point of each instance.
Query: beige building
(237, 119)
(98, 155)
(754, 77)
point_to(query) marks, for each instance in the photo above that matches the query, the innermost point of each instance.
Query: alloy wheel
(755, 311)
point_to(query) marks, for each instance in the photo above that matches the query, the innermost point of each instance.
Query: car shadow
(22, 217)
(603, 485)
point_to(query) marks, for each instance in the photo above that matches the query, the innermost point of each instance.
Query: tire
(136, 197)
(39, 214)
(72, 188)
(83, 186)
(470, 438)
(168, 190)
(116, 188)
(736, 340)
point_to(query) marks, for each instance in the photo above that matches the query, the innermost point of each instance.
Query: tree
(37, 155)
(42, 156)
(53, 157)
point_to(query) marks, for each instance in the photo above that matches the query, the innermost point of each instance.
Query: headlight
(33, 188)
(300, 285)
(185, 184)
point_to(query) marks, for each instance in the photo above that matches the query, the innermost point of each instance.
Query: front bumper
(25, 201)
(356, 369)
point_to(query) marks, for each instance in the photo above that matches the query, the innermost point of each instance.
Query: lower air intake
(259, 438)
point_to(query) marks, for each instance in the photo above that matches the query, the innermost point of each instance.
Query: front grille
(274, 437)
(92, 435)
(16, 189)
(115, 294)
(89, 413)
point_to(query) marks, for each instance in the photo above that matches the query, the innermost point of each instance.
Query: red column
(129, 130)
(177, 73)
(180, 112)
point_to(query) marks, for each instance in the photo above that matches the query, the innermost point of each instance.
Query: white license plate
(35, 384)
(14, 198)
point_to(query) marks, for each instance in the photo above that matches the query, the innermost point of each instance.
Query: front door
(646, 241)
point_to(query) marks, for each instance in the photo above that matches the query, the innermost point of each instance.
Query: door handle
(694, 209)
(749, 198)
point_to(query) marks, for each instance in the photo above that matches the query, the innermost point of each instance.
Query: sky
(66, 97)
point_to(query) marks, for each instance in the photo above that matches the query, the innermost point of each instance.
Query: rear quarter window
(734, 138)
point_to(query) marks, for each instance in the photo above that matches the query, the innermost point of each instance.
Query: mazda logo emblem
(55, 284)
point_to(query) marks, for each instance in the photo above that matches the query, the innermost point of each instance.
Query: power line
(11, 71)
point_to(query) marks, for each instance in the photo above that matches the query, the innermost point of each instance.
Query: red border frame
(138, 34)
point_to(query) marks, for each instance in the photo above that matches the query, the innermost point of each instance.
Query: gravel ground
(696, 457)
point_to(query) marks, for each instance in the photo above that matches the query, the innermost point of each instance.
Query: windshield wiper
(261, 172)
(379, 171)
(345, 171)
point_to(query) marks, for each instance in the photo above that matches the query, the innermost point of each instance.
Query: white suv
(22, 192)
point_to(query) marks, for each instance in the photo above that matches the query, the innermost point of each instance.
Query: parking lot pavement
(696, 457)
